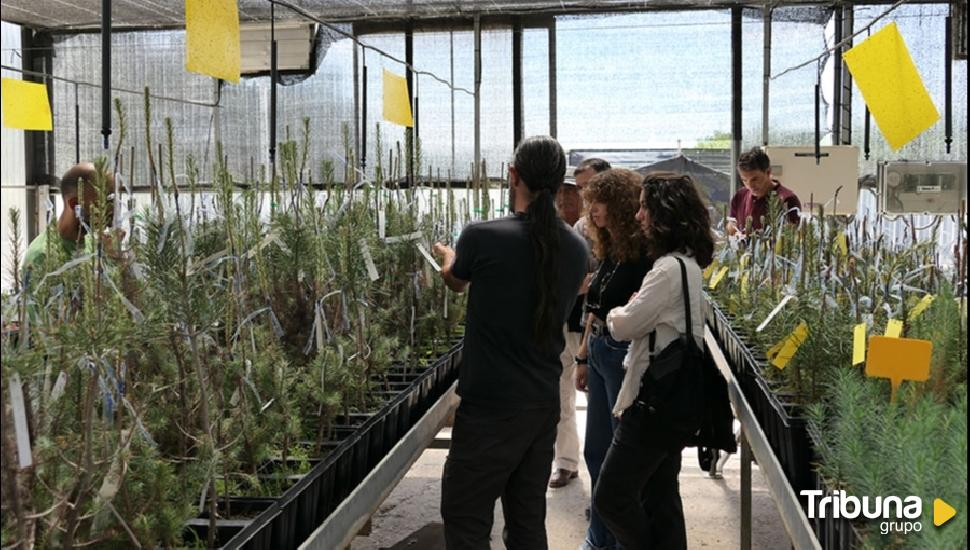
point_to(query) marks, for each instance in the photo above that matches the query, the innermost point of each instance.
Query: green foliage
(220, 342)
(868, 445)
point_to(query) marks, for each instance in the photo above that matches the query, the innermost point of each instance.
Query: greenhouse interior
(238, 301)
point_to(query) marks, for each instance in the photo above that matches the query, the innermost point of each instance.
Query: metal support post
(553, 82)
(476, 175)
(517, 108)
(745, 491)
(736, 77)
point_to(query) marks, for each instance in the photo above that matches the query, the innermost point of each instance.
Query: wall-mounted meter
(917, 187)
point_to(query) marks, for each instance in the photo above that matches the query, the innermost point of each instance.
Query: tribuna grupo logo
(898, 515)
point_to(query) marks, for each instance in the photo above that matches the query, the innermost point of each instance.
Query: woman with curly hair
(620, 246)
(638, 496)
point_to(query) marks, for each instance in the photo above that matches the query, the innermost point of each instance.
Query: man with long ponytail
(523, 272)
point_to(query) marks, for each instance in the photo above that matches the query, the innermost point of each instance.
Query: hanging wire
(379, 51)
(113, 88)
(844, 42)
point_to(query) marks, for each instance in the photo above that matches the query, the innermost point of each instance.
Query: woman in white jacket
(643, 461)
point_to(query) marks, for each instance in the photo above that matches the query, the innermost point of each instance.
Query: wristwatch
(581, 360)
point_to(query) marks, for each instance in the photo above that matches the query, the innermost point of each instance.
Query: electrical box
(918, 187)
(816, 183)
(294, 41)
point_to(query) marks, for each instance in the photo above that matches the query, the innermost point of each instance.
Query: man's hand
(731, 228)
(446, 254)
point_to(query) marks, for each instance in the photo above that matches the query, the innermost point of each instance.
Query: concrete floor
(410, 517)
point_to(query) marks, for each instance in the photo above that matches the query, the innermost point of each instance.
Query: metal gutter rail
(754, 442)
(340, 528)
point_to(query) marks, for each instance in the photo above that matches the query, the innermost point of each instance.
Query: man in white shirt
(569, 202)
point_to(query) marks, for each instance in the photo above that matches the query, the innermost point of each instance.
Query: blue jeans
(605, 375)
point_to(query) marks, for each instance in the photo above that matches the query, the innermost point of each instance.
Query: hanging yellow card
(894, 328)
(859, 344)
(709, 271)
(716, 279)
(782, 353)
(891, 86)
(212, 38)
(918, 310)
(899, 359)
(397, 101)
(744, 284)
(842, 241)
(25, 105)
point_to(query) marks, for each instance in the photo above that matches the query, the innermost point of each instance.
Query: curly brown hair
(622, 239)
(679, 219)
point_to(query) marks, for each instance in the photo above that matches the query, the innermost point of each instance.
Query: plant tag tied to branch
(894, 328)
(427, 256)
(859, 344)
(718, 277)
(372, 273)
(24, 455)
(783, 352)
(923, 304)
(775, 312)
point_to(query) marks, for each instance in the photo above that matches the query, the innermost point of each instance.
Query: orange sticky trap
(899, 359)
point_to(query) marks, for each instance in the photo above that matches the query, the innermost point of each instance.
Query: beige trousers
(567, 436)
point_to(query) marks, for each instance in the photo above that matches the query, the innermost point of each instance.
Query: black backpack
(684, 394)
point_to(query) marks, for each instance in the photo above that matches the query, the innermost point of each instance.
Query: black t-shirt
(503, 363)
(613, 284)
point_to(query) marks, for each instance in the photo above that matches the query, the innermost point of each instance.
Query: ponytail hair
(541, 164)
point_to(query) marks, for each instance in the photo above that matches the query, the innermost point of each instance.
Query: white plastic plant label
(372, 273)
(427, 256)
(24, 455)
(774, 312)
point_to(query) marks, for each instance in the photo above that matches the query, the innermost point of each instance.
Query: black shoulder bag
(671, 390)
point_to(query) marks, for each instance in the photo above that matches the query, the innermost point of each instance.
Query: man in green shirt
(70, 232)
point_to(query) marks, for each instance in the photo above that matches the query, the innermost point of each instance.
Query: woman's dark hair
(622, 239)
(541, 164)
(679, 220)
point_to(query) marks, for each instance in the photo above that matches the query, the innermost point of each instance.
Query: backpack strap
(689, 329)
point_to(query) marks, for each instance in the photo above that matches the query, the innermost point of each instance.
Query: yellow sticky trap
(212, 38)
(782, 353)
(894, 328)
(25, 105)
(744, 284)
(718, 277)
(918, 310)
(397, 101)
(842, 241)
(745, 260)
(899, 359)
(779, 244)
(891, 86)
(859, 344)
